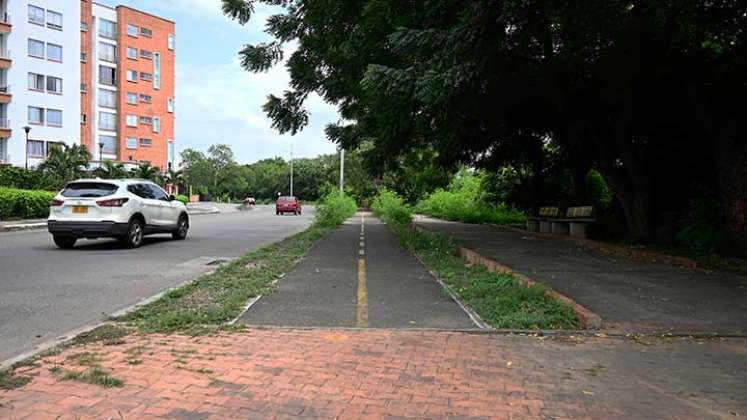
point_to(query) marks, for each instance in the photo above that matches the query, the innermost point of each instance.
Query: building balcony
(5, 130)
(5, 60)
(5, 26)
(5, 95)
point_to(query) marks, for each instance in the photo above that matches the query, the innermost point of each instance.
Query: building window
(146, 120)
(36, 115)
(131, 120)
(54, 85)
(36, 48)
(54, 52)
(132, 30)
(172, 41)
(132, 53)
(35, 148)
(83, 118)
(146, 77)
(132, 98)
(107, 98)
(54, 20)
(36, 82)
(83, 57)
(156, 125)
(107, 121)
(146, 32)
(108, 75)
(145, 98)
(84, 26)
(170, 105)
(54, 145)
(84, 87)
(107, 52)
(36, 15)
(146, 142)
(131, 76)
(110, 144)
(156, 71)
(108, 29)
(132, 142)
(146, 54)
(54, 118)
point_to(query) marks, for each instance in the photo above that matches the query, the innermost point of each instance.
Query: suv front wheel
(134, 236)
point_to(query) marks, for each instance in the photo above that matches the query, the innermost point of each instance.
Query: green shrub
(25, 204)
(464, 206)
(14, 177)
(183, 198)
(391, 208)
(334, 209)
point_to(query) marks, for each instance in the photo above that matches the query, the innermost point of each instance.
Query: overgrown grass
(219, 297)
(334, 209)
(10, 380)
(500, 299)
(391, 208)
(463, 207)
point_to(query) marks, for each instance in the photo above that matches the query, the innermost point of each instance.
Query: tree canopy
(643, 91)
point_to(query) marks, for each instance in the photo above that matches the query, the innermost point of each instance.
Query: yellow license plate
(80, 210)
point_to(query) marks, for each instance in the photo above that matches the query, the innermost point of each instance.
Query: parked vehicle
(124, 209)
(288, 204)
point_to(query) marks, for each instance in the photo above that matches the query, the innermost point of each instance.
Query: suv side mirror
(172, 197)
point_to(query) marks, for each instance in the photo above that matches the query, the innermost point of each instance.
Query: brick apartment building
(76, 71)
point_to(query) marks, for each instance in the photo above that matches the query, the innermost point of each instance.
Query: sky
(219, 102)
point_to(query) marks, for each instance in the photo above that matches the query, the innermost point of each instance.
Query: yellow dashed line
(362, 309)
(362, 306)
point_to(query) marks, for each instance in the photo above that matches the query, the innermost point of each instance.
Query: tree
(640, 90)
(146, 171)
(65, 163)
(110, 170)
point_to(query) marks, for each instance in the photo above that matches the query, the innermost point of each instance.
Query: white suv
(123, 209)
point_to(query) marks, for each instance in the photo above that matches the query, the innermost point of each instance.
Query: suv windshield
(89, 189)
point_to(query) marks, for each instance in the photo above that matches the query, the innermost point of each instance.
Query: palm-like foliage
(147, 171)
(111, 170)
(176, 178)
(65, 163)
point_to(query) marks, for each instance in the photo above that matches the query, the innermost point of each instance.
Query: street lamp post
(27, 129)
(342, 171)
(291, 168)
(101, 155)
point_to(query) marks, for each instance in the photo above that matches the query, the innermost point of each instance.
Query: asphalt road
(46, 292)
(359, 277)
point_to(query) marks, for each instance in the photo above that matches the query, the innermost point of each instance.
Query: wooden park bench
(573, 222)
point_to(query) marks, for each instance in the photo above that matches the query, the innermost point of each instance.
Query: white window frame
(41, 115)
(131, 26)
(30, 150)
(106, 127)
(132, 73)
(49, 44)
(53, 25)
(38, 43)
(131, 56)
(128, 98)
(170, 105)
(105, 34)
(37, 77)
(105, 47)
(51, 112)
(171, 42)
(131, 120)
(54, 91)
(31, 16)
(129, 145)
(146, 142)
(156, 124)
(104, 93)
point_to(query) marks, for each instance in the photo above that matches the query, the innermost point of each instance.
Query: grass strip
(500, 299)
(214, 299)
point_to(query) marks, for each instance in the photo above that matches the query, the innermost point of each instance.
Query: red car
(288, 204)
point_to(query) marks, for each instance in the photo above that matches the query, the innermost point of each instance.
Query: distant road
(46, 292)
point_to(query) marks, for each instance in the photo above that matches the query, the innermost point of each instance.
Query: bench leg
(560, 228)
(532, 226)
(578, 230)
(545, 227)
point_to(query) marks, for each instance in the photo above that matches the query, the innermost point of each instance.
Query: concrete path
(46, 292)
(344, 374)
(627, 294)
(359, 276)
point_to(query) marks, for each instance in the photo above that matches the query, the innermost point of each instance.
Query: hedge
(24, 204)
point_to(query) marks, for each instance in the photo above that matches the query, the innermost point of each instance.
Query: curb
(29, 226)
(588, 320)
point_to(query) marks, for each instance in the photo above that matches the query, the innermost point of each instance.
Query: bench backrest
(549, 211)
(579, 212)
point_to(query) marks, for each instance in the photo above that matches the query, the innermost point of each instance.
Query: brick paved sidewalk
(377, 373)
